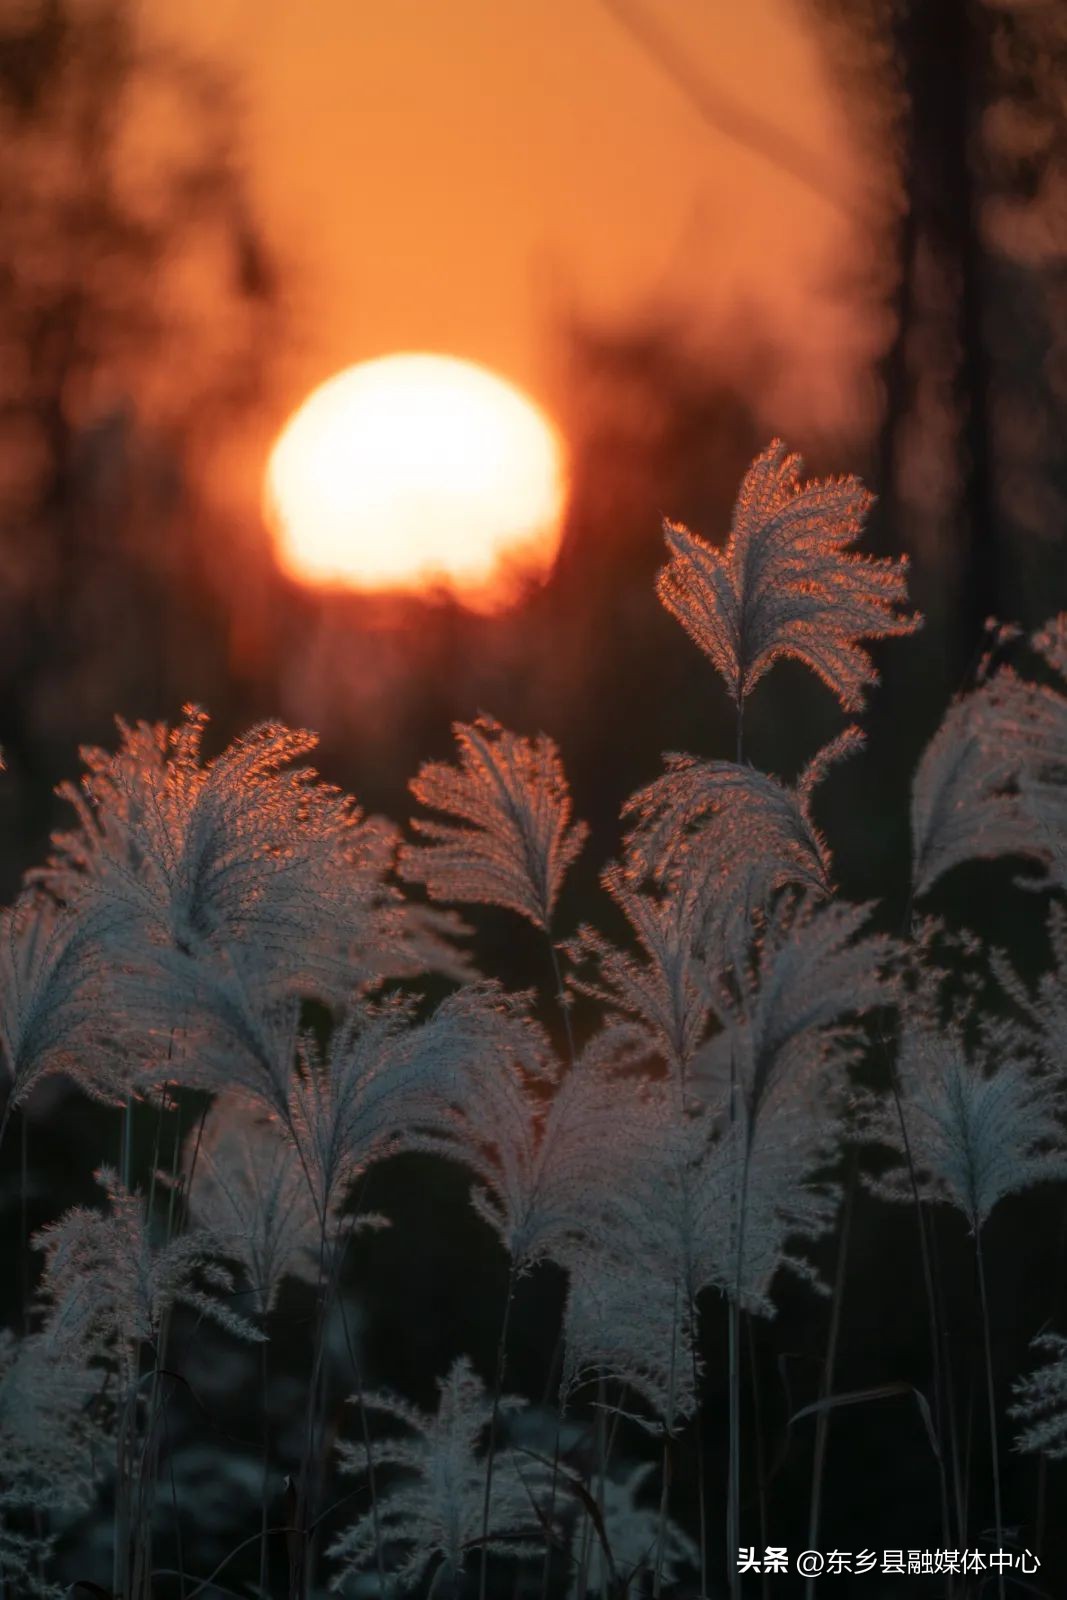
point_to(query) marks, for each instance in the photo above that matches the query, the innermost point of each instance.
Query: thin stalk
(602, 1473)
(127, 1141)
(174, 1507)
(24, 1232)
(146, 1478)
(733, 1519)
(130, 1368)
(698, 1434)
(733, 1491)
(968, 1451)
(317, 1459)
(991, 1401)
(264, 1446)
(148, 1465)
(298, 1561)
(664, 1502)
(1040, 1501)
(1041, 1483)
(553, 1367)
(561, 997)
(661, 1534)
(740, 725)
(586, 1555)
(24, 1280)
(494, 1419)
(936, 1331)
(951, 1421)
(365, 1429)
(826, 1382)
(546, 1570)
(757, 1431)
(312, 1478)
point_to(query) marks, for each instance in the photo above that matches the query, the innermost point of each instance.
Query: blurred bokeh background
(682, 228)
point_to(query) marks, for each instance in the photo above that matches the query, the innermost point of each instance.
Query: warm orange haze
(453, 177)
(417, 472)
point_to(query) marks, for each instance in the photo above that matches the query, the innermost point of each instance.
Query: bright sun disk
(414, 473)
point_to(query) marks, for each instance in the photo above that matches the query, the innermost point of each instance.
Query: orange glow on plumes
(416, 473)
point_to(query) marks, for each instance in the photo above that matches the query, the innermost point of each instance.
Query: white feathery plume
(250, 1193)
(107, 1285)
(58, 1010)
(785, 583)
(385, 1083)
(1041, 1400)
(634, 1533)
(514, 840)
(432, 1512)
(242, 851)
(978, 1128)
(49, 1441)
(993, 779)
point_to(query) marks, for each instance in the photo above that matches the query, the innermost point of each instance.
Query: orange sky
(441, 173)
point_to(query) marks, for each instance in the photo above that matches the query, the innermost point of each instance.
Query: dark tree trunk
(943, 50)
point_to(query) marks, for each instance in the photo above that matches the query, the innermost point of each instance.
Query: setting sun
(414, 473)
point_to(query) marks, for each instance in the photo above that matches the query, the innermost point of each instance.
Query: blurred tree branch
(726, 116)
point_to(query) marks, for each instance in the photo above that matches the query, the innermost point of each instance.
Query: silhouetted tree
(965, 102)
(134, 292)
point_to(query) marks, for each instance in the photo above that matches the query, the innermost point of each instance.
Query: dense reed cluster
(232, 941)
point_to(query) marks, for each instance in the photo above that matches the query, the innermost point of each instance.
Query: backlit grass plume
(58, 1011)
(431, 1515)
(980, 1125)
(1041, 1400)
(49, 1449)
(108, 1283)
(244, 850)
(641, 1541)
(249, 1190)
(786, 584)
(233, 931)
(993, 779)
(514, 839)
